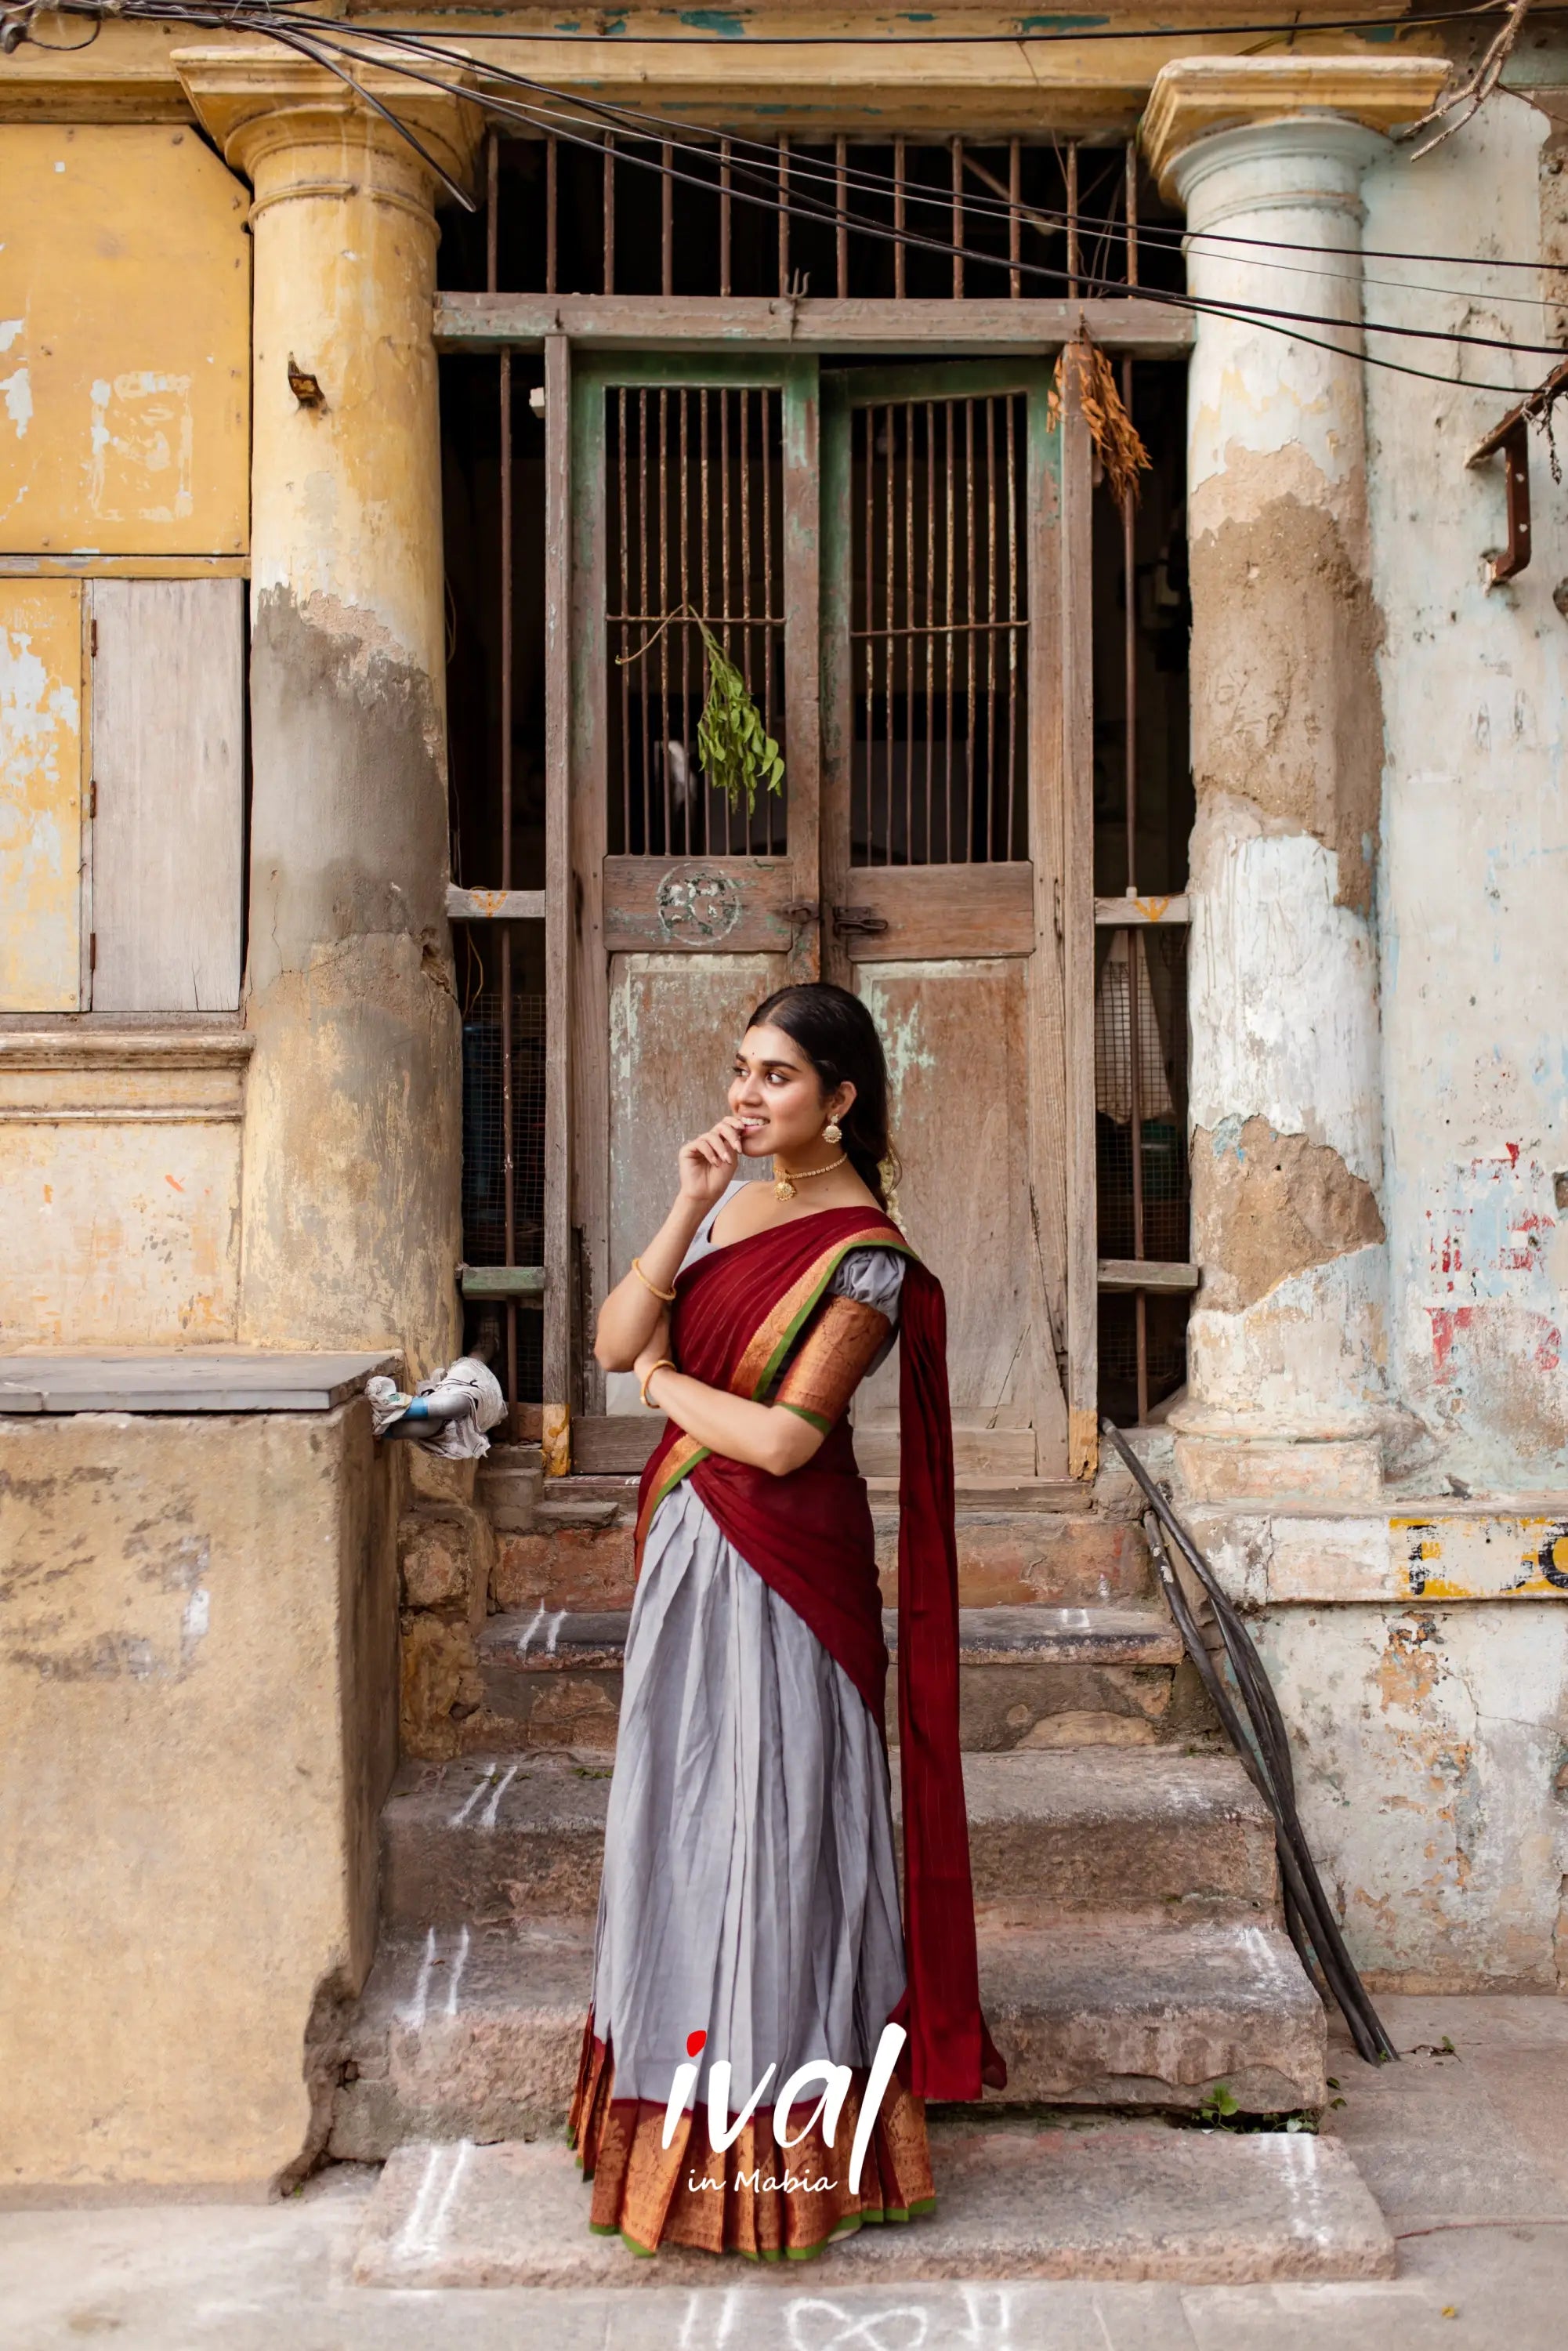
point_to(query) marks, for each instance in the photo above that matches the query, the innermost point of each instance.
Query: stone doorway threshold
(1060, 2198)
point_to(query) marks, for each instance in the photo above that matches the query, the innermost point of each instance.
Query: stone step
(475, 2032)
(1122, 2200)
(485, 1841)
(579, 1558)
(1028, 1677)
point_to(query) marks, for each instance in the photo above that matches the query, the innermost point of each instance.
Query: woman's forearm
(630, 1315)
(764, 1435)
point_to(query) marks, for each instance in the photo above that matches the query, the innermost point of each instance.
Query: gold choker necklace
(784, 1185)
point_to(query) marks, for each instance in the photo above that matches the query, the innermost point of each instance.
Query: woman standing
(749, 1907)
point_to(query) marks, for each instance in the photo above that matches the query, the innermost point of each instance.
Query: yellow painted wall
(124, 343)
(40, 795)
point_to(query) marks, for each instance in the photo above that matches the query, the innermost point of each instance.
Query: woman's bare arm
(631, 1314)
(815, 1391)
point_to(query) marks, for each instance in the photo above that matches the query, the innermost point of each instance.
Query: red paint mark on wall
(178, 1186)
(1448, 1322)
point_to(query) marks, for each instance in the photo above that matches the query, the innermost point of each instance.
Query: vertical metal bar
(1013, 626)
(840, 209)
(970, 601)
(724, 513)
(909, 643)
(664, 609)
(868, 419)
(783, 215)
(931, 645)
(1133, 936)
(1075, 555)
(610, 212)
(509, 1105)
(492, 209)
(765, 400)
(562, 1062)
(898, 249)
(1015, 217)
(1130, 175)
(746, 549)
(552, 217)
(948, 609)
(1072, 220)
(689, 803)
(622, 588)
(889, 587)
(991, 794)
(958, 220)
(724, 216)
(707, 606)
(644, 607)
(667, 219)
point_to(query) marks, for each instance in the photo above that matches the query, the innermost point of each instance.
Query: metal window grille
(483, 1133)
(695, 515)
(940, 633)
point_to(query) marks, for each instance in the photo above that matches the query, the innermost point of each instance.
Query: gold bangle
(664, 1363)
(637, 1269)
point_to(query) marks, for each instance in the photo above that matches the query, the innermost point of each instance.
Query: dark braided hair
(839, 1040)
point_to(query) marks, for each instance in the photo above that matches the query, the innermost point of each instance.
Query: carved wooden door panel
(694, 498)
(943, 860)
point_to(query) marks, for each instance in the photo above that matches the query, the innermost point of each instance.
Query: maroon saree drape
(737, 1314)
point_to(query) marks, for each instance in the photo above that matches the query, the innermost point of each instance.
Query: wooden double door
(895, 560)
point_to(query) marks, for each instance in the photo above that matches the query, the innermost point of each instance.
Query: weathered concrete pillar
(351, 1225)
(1288, 1339)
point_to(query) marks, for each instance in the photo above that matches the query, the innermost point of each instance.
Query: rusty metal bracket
(1514, 445)
(1510, 438)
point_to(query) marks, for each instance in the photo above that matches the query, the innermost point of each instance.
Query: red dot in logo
(695, 2044)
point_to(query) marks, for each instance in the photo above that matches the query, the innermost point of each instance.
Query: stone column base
(1241, 1468)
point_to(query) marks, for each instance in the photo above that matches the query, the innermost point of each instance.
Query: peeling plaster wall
(1475, 849)
(198, 1712)
(1428, 1744)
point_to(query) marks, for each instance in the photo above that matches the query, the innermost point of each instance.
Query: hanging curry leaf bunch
(738, 756)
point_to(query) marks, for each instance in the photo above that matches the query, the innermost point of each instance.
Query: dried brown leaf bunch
(1116, 439)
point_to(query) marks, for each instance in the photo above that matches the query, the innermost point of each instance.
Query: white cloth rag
(469, 1385)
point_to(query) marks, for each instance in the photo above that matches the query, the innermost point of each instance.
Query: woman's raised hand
(709, 1162)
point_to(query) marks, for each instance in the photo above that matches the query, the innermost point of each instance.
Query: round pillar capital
(295, 130)
(1224, 134)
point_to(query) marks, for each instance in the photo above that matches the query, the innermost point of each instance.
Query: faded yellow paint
(1494, 1558)
(40, 795)
(124, 343)
(119, 1167)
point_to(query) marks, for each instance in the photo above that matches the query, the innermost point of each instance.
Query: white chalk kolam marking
(525, 1637)
(413, 2014)
(553, 1631)
(487, 1817)
(455, 1977)
(479, 1788)
(421, 2234)
(1302, 2167)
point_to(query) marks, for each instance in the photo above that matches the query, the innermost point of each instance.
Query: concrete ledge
(207, 1379)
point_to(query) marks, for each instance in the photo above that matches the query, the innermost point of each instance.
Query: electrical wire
(1021, 39)
(316, 36)
(1290, 323)
(804, 165)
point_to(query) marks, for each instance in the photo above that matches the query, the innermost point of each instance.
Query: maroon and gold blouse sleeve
(840, 1347)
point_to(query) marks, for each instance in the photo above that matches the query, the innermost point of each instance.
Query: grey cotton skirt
(750, 1889)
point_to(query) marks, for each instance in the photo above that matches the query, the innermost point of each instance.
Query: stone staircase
(1131, 1952)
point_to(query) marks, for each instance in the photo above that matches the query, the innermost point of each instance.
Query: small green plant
(738, 756)
(1220, 2104)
